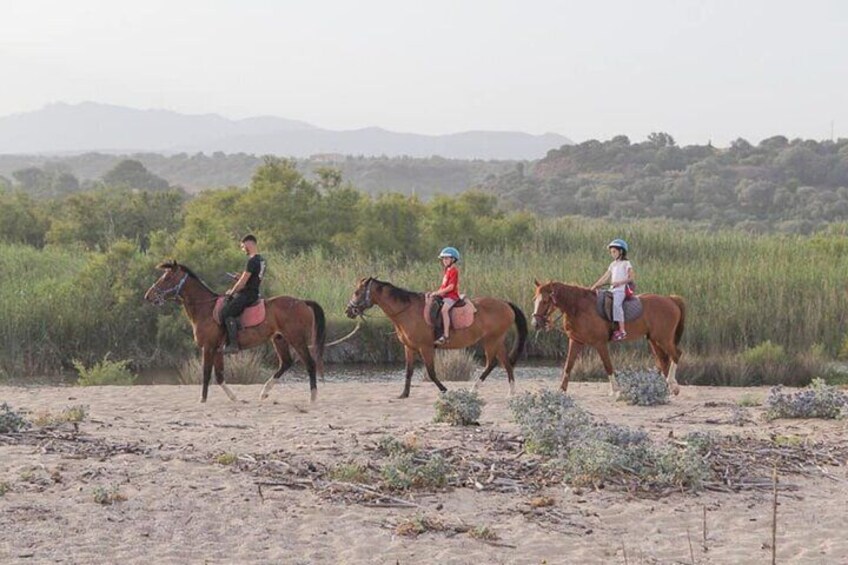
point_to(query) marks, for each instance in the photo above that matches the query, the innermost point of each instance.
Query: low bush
(455, 364)
(459, 407)
(818, 400)
(642, 388)
(104, 373)
(10, 420)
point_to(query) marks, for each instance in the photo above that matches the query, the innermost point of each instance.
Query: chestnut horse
(288, 322)
(661, 323)
(406, 311)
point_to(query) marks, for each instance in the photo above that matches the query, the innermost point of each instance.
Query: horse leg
(409, 356)
(503, 357)
(302, 350)
(281, 346)
(670, 350)
(607, 361)
(428, 354)
(207, 355)
(490, 348)
(574, 349)
(219, 375)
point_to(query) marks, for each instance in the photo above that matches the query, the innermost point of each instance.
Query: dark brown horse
(288, 322)
(661, 323)
(406, 311)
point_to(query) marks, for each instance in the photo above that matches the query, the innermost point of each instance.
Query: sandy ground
(157, 446)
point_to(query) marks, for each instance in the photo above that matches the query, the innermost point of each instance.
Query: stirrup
(230, 348)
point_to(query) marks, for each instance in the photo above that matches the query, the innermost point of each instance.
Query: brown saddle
(253, 315)
(632, 307)
(461, 314)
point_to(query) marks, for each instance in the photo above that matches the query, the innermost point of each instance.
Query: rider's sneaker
(618, 335)
(441, 341)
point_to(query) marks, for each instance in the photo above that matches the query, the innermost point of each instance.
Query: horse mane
(172, 264)
(569, 295)
(398, 293)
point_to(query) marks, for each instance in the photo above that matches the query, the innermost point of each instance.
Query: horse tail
(521, 327)
(320, 334)
(678, 331)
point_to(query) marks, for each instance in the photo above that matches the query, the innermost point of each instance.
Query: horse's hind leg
(670, 350)
(281, 346)
(219, 375)
(490, 348)
(428, 354)
(301, 347)
(503, 357)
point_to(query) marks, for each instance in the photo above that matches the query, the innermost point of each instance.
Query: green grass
(742, 291)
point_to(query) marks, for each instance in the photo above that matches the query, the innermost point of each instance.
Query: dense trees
(797, 185)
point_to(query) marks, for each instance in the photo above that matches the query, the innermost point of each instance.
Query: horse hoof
(675, 390)
(263, 396)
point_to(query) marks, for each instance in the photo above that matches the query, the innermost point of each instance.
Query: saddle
(461, 314)
(632, 306)
(253, 315)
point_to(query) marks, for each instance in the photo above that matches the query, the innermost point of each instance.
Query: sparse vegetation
(749, 400)
(226, 458)
(642, 388)
(71, 414)
(10, 420)
(246, 368)
(818, 400)
(459, 407)
(4, 488)
(107, 496)
(105, 373)
(406, 471)
(350, 473)
(455, 364)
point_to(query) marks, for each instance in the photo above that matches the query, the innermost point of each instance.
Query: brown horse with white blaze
(289, 322)
(662, 323)
(406, 311)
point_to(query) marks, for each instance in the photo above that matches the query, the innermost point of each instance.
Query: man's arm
(245, 276)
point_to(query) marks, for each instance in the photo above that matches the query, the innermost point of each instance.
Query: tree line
(792, 186)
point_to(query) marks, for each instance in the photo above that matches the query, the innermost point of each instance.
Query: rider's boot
(232, 336)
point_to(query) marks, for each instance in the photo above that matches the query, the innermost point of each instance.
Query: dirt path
(189, 476)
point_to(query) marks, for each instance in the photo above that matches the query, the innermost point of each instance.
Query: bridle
(160, 296)
(365, 302)
(541, 319)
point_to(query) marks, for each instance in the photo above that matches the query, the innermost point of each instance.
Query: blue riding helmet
(449, 252)
(620, 243)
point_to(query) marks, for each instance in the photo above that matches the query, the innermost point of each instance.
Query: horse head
(543, 304)
(360, 300)
(170, 284)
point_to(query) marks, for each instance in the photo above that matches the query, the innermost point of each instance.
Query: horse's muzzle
(352, 311)
(539, 322)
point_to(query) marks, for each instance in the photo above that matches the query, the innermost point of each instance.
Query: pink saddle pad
(252, 315)
(461, 316)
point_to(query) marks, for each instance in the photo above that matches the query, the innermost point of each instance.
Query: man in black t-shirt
(244, 292)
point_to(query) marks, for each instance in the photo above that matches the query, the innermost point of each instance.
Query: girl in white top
(619, 274)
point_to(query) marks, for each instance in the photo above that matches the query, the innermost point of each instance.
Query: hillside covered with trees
(778, 184)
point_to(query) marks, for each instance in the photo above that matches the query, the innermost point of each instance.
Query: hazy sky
(698, 70)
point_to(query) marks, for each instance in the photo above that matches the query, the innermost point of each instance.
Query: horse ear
(536, 282)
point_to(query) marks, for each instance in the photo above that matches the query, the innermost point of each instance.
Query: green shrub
(819, 400)
(104, 373)
(459, 407)
(105, 496)
(550, 421)
(407, 470)
(642, 388)
(11, 421)
(71, 414)
(350, 473)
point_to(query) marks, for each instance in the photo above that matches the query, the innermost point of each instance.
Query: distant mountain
(77, 128)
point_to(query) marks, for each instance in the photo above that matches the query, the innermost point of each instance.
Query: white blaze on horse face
(536, 304)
